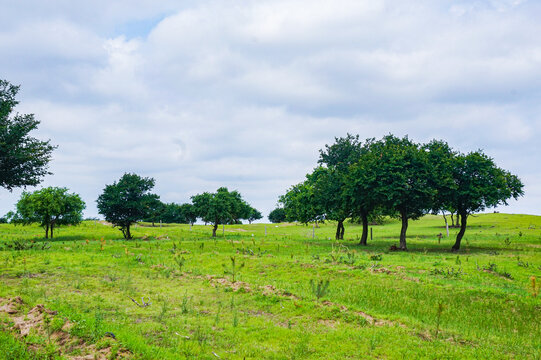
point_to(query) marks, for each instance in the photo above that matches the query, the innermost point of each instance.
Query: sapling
(319, 289)
(234, 268)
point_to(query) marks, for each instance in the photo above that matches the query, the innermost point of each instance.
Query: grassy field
(259, 292)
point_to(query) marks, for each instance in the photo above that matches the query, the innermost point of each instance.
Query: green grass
(426, 302)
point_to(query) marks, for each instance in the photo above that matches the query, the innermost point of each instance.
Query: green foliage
(221, 207)
(319, 288)
(50, 207)
(277, 215)
(24, 158)
(124, 202)
(254, 214)
(301, 204)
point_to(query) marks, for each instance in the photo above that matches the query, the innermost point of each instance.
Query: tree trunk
(342, 232)
(364, 236)
(52, 226)
(463, 222)
(214, 228)
(46, 231)
(338, 230)
(403, 230)
(128, 233)
(452, 220)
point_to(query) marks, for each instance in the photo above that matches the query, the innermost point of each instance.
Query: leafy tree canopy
(125, 202)
(277, 215)
(50, 207)
(221, 207)
(23, 159)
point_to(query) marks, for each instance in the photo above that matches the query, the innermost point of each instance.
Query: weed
(233, 269)
(185, 303)
(376, 257)
(319, 288)
(180, 260)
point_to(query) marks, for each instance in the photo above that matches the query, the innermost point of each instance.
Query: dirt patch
(380, 270)
(369, 318)
(328, 323)
(268, 290)
(34, 321)
(235, 286)
(11, 306)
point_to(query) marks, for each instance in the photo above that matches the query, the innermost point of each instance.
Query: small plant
(163, 310)
(319, 288)
(184, 304)
(376, 257)
(507, 242)
(234, 268)
(179, 260)
(448, 273)
(522, 263)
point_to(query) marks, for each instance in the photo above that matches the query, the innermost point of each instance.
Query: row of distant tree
(128, 201)
(396, 177)
(390, 176)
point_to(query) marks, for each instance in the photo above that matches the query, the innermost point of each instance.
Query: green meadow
(274, 291)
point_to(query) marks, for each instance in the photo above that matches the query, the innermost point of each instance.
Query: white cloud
(208, 93)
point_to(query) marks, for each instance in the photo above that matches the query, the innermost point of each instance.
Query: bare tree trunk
(364, 236)
(337, 235)
(342, 232)
(46, 231)
(214, 228)
(403, 230)
(452, 220)
(128, 233)
(463, 223)
(52, 226)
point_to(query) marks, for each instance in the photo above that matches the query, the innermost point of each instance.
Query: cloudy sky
(201, 94)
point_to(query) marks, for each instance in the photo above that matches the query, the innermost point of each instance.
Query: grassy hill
(258, 292)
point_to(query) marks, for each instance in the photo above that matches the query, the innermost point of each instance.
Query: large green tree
(123, 203)
(360, 183)
(221, 207)
(479, 184)
(401, 179)
(23, 159)
(331, 178)
(50, 207)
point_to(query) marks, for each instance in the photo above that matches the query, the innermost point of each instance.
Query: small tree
(23, 159)
(154, 209)
(188, 213)
(330, 180)
(50, 207)
(301, 204)
(479, 184)
(124, 202)
(254, 215)
(277, 215)
(221, 207)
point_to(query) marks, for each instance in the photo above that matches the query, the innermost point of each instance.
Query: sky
(243, 94)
